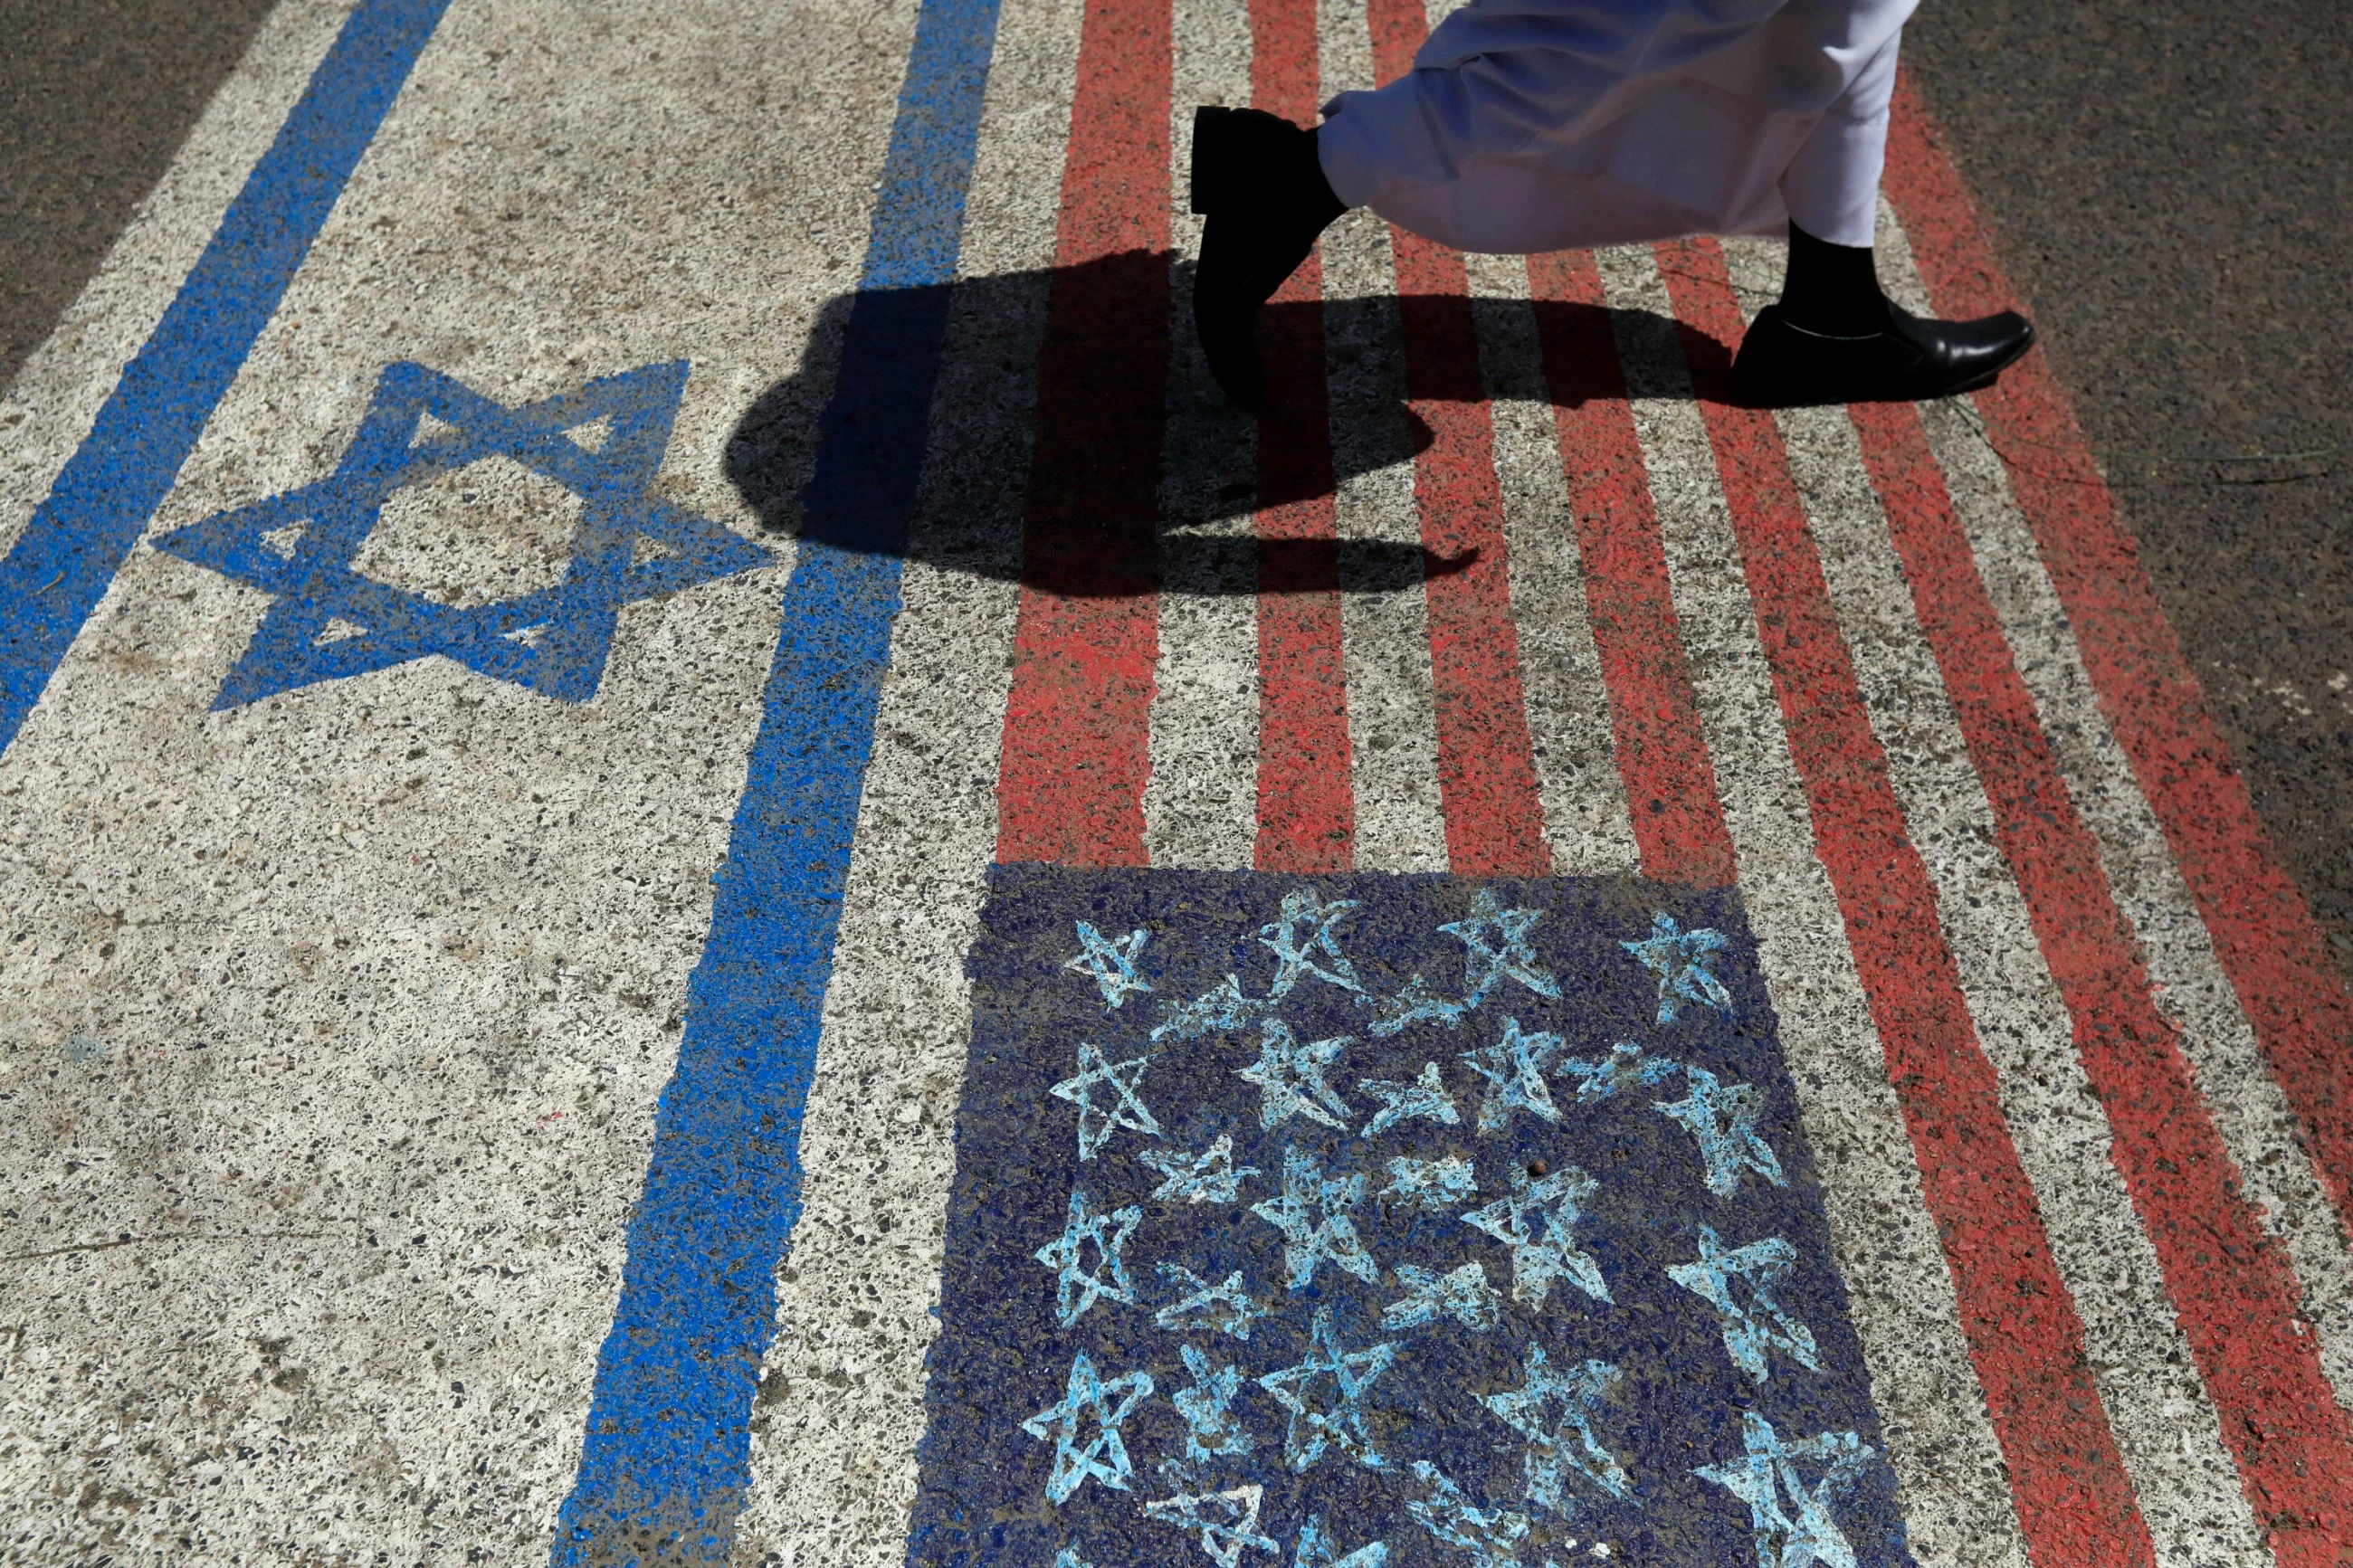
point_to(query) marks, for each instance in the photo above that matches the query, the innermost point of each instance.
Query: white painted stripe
(1384, 635)
(1201, 806)
(840, 1406)
(1948, 1467)
(371, 980)
(2165, 1427)
(54, 400)
(1584, 799)
(2252, 1113)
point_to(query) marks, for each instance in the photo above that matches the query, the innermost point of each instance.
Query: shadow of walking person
(1075, 443)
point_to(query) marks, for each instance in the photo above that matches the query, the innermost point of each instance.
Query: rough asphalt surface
(2172, 182)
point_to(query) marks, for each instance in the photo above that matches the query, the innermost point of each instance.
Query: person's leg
(1257, 179)
(1834, 337)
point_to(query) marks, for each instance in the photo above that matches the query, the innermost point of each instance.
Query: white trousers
(1530, 125)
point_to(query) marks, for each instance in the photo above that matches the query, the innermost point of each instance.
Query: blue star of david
(329, 621)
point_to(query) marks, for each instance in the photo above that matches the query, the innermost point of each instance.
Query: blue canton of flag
(1391, 1222)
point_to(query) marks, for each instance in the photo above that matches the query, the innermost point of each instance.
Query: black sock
(1832, 290)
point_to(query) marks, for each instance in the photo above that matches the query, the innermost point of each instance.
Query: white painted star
(1562, 1445)
(1102, 1457)
(1548, 1250)
(1290, 1077)
(1423, 1097)
(1335, 1419)
(1680, 959)
(1514, 1068)
(1462, 1294)
(1313, 1214)
(1752, 1331)
(1218, 1010)
(1303, 944)
(1416, 1002)
(1111, 963)
(1225, 1308)
(1098, 1121)
(1722, 1118)
(1491, 1536)
(1625, 1067)
(1077, 1287)
(1497, 941)
(1766, 1471)
(1227, 1522)
(1209, 1177)
(1207, 1409)
(1431, 1183)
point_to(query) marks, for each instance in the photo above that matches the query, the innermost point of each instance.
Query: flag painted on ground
(1134, 830)
(1384, 1219)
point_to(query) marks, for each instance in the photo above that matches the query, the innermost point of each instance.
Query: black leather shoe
(1783, 366)
(1257, 180)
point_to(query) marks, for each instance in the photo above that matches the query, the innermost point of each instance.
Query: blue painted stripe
(666, 1458)
(78, 537)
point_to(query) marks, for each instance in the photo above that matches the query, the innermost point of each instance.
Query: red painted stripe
(1486, 764)
(2235, 1292)
(1663, 755)
(2074, 1500)
(2266, 938)
(1077, 724)
(1306, 791)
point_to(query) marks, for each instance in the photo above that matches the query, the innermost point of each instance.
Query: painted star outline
(1625, 1067)
(1405, 1097)
(1750, 1332)
(1548, 1250)
(1339, 1420)
(1290, 1077)
(1722, 1117)
(1226, 1306)
(1227, 1522)
(1514, 1068)
(1462, 1294)
(1766, 1471)
(1104, 1456)
(1077, 1287)
(1491, 1535)
(328, 621)
(1562, 1444)
(1097, 1122)
(1313, 1214)
(1496, 940)
(1316, 952)
(1209, 1177)
(1111, 962)
(1680, 959)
